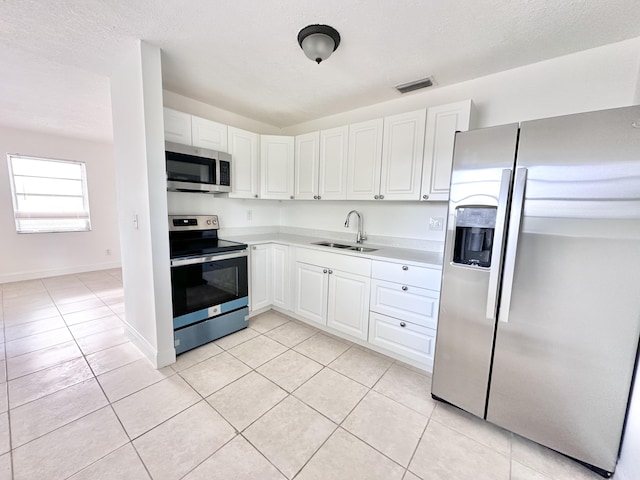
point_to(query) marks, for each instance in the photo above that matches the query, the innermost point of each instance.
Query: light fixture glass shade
(318, 47)
(318, 42)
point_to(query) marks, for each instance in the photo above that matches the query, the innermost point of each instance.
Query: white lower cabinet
(404, 314)
(280, 277)
(312, 284)
(333, 290)
(412, 341)
(348, 306)
(269, 276)
(260, 294)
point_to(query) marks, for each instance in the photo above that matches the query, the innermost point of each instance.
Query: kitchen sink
(332, 245)
(363, 249)
(346, 247)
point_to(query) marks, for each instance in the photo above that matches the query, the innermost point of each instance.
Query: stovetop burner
(197, 236)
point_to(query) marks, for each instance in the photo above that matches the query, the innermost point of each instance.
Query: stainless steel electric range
(209, 281)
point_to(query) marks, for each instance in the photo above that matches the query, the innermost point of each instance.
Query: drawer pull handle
(330, 272)
(405, 288)
(402, 324)
(254, 248)
(405, 268)
(324, 271)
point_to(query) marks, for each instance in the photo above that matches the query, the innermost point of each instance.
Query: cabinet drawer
(407, 274)
(412, 341)
(346, 263)
(413, 304)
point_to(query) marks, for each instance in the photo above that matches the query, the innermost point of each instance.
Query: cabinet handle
(402, 324)
(375, 197)
(381, 197)
(319, 197)
(405, 268)
(425, 197)
(253, 248)
(315, 197)
(324, 271)
(405, 288)
(330, 272)
(255, 196)
(291, 197)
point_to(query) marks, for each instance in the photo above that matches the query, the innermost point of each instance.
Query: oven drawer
(198, 334)
(409, 340)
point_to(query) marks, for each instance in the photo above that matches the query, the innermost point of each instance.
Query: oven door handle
(209, 258)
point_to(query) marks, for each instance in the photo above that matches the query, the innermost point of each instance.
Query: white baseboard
(36, 274)
(157, 358)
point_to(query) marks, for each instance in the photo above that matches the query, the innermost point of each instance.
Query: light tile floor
(277, 400)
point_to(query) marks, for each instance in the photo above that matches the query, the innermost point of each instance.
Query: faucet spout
(360, 236)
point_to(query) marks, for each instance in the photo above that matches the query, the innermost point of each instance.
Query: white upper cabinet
(208, 134)
(276, 167)
(180, 127)
(307, 158)
(243, 147)
(334, 148)
(321, 165)
(442, 124)
(177, 126)
(402, 154)
(364, 160)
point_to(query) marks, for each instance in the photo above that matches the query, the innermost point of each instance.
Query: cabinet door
(402, 153)
(364, 160)
(442, 124)
(306, 169)
(334, 150)
(311, 292)
(276, 167)
(208, 134)
(177, 126)
(243, 147)
(348, 306)
(260, 294)
(280, 276)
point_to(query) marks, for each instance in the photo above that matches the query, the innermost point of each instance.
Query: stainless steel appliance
(540, 304)
(209, 282)
(192, 169)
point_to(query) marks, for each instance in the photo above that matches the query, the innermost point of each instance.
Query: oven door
(206, 287)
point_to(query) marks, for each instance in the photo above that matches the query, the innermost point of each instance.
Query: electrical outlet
(436, 223)
(249, 215)
(107, 252)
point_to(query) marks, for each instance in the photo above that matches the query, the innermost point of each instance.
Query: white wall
(204, 110)
(595, 79)
(37, 255)
(136, 97)
(233, 213)
(389, 219)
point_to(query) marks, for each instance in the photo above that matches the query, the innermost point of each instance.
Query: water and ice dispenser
(475, 227)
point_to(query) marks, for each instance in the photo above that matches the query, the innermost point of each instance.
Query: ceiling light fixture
(318, 42)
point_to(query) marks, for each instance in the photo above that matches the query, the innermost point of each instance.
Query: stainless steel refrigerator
(540, 304)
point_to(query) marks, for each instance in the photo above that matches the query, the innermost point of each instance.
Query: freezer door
(479, 196)
(567, 342)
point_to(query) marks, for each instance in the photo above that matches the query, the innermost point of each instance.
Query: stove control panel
(193, 222)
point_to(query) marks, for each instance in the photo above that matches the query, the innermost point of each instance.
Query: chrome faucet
(360, 236)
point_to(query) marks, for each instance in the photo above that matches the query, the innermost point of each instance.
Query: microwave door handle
(498, 244)
(515, 222)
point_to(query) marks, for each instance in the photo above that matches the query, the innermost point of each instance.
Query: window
(49, 195)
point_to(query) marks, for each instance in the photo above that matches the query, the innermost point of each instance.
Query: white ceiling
(243, 56)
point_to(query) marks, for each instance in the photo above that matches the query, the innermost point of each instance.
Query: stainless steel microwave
(193, 169)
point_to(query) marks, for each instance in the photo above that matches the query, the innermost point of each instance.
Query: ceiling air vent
(415, 85)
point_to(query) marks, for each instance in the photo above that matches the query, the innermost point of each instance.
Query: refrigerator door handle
(498, 244)
(512, 242)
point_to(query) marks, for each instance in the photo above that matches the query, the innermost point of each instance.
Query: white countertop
(385, 253)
